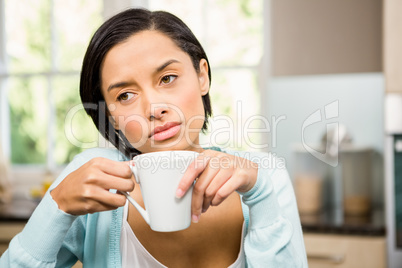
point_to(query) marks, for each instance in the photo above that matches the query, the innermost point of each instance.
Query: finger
(91, 206)
(107, 182)
(198, 195)
(97, 206)
(227, 189)
(219, 180)
(98, 199)
(120, 169)
(193, 171)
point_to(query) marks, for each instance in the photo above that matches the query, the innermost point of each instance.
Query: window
(231, 32)
(43, 45)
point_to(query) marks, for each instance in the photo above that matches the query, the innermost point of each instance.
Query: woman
(145, 83)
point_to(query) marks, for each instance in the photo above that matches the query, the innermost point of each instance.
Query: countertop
(334, 221)
(19, 209)
(329, 221)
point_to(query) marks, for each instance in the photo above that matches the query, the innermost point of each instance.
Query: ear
(203, 77)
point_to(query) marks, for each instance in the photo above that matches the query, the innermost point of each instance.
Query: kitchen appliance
(308, 178)
(356, 169)
(393, 178)
(345, 187)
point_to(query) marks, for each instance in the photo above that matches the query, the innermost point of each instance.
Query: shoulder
(110, 153)
(265, 160)
(270, 166)
(85, 156)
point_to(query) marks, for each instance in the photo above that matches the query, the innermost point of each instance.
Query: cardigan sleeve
(274, 236)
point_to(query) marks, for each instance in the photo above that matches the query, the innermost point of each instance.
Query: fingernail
(195, 218)
(179, 193)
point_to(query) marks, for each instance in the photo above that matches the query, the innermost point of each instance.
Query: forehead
(143, 46)
(141, 57)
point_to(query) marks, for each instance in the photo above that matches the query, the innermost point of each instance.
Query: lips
(165, 131)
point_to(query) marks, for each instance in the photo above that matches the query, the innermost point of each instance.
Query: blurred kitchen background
(317, 83)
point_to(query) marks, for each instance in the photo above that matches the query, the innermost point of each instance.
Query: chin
(182, 146)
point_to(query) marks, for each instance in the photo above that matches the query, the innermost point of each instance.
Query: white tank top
(135, 255)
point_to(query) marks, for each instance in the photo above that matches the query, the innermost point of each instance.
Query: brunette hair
(114, 31)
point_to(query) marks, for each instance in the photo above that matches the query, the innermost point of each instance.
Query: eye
(168, 79)
(124, 97)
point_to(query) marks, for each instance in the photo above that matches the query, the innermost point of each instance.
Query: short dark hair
(116, 30)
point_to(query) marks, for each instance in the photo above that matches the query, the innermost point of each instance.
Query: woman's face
(154, 94)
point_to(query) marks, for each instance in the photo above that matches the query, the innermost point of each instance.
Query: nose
(155, 105)
(157, 111)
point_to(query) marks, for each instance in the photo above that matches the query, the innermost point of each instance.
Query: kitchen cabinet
(327, 37)
(333, 239)
(7, 231)
(392, 43)
(344, 251)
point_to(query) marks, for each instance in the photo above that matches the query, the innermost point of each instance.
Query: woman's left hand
(217, 175)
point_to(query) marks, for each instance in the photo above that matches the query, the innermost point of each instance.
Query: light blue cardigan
(52, 238)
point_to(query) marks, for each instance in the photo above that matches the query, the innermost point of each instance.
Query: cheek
(191, 103)
(135, 128)
(193, 109)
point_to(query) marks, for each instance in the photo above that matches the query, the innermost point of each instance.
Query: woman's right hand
(86, 190)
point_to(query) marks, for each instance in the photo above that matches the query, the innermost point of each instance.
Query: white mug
(158, 175)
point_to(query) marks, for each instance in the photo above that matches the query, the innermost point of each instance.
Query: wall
(323, 53)
(360, 108)
(324, 37)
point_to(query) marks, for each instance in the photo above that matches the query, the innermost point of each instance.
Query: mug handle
(135, 172)
(142, 211)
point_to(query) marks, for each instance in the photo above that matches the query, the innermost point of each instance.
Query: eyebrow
(117, 85)
(166, 64)
(158, 69)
